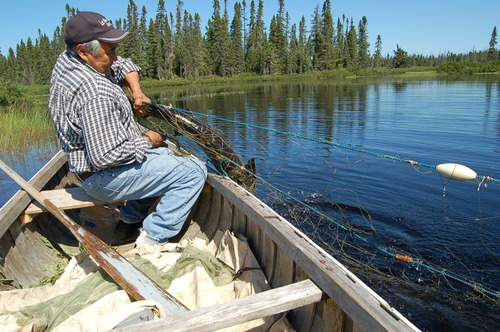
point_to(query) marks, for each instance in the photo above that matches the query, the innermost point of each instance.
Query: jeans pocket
(100, 186)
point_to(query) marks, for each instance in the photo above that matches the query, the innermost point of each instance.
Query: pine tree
(340, 41)
(244, 23)
(352, 43)
(316, 38)
(377, 55)
(237, 64)
(180, 51)
(151, 69)
(305, 48)
(142, 37)
(363, 45)
(256, 39)
(293, 57)
(400, 58)
(278, 39)
(44, 58)
(218, 42)
(130, 46)
(163, 51)
(493, 42)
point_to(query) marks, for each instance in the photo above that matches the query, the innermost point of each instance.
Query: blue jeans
(177, 180)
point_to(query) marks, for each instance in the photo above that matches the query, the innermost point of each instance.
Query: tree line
(173, 44)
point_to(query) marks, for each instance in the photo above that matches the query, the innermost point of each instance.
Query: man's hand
(157, 139)
(138, 99)
(134, 88)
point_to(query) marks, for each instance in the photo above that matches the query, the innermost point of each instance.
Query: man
(105, 147)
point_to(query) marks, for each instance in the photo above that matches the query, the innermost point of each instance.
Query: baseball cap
(87, 26)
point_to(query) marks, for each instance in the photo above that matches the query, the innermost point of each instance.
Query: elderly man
(105, 147)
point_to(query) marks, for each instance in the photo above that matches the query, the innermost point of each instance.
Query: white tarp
(202, 275)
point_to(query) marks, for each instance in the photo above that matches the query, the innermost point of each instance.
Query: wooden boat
(315, 291)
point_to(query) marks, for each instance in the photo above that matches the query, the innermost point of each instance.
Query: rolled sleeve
(122, 67)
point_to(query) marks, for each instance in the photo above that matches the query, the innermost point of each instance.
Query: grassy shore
(332, 74)
(25, 120)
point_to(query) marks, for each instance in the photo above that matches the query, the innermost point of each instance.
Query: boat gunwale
(11, 210)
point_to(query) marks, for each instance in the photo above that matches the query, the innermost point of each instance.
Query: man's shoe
(143, 247)
(125, 232)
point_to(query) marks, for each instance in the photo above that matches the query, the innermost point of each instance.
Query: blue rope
(471, 284)
(322, 141)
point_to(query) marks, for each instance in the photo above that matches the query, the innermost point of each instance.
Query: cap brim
(113, 36)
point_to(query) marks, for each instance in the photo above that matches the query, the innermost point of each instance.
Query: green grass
(26, 121)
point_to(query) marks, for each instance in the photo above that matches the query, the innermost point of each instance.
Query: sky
(427, 27)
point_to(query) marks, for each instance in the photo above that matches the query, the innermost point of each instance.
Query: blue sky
(422, 26)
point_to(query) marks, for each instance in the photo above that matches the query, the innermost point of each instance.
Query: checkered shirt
(92, 115)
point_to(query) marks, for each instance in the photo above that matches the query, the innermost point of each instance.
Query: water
(451, 226)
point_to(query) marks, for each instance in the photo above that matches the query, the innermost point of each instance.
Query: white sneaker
(143, 247)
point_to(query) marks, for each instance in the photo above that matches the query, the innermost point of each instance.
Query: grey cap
(87, 26)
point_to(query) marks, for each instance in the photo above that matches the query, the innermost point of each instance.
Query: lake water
(319, 148)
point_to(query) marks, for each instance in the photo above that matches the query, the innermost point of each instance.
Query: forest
(175, 45)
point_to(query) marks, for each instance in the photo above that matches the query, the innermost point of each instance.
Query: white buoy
(456, 172)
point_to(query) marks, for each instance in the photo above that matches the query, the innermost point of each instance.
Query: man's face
(104, 59)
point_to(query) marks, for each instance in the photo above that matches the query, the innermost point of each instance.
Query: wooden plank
(333, 318)
(284, 269)
(239, 222)
(16, 205)
(212, 220)
(268, 249)
(226, 217)
(65, 199)
(16, 264)
(302, 318)
(235, 312)
(364, 306)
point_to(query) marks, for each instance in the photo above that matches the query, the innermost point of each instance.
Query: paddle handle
(129, 277)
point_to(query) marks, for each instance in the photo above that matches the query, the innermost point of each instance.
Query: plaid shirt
(93, 116)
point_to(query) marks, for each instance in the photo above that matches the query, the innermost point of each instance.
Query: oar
(130, 278)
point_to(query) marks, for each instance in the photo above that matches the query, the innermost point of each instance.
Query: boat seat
(223, 315)
(65, 199)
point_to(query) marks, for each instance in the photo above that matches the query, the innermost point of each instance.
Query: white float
(456, 172)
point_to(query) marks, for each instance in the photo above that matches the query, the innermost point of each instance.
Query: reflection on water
(26, 164)
(393, 205)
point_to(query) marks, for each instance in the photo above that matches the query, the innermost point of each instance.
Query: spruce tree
(316, 38)
(256, 38)
(130, 46)
(305, 48)
(492, 47)
(142, 39)
(218, 42)
(340, 41)
(237, 64)
(164, 52)
(363, 45)
(278, 39)
(352, 44)
(400, 58)
(377, 55)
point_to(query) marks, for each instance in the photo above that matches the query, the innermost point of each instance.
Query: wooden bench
(227, 314)
(65, 199)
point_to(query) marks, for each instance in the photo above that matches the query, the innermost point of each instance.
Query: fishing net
(326, 190)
